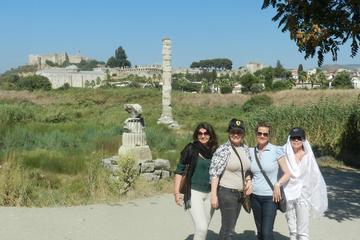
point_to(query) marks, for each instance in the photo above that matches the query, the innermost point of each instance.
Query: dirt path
(158, 218)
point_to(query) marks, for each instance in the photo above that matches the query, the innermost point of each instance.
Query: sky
(198, 29)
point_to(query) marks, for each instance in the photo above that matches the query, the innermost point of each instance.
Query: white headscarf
(314, 187)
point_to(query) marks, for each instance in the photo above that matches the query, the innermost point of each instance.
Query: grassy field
(51, 142)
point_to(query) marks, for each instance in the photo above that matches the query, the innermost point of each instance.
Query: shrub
(126, 175)
(35, 82)
(256, 101)
(281, 85)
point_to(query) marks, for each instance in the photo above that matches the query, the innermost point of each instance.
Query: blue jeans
(230, 204)
(264, 210)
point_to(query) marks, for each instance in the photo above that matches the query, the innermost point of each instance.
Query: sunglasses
(296, 138)
(236, 132)
(203, 134)
(259, 134)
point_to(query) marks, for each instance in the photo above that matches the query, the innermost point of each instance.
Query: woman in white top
(306, 188)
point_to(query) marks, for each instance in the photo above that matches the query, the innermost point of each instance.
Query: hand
(178, 199)
(276, 193)
(248, 187)
(214, 201)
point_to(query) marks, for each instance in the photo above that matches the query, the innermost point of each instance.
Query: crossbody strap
(242, 169)
(262, 170)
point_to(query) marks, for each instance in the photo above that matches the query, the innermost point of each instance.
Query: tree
(319, 26)
(216, 63)
(300, 69)
(119, 60)
(342, 80)
(247, 81)
(267, 75)
(34, 82)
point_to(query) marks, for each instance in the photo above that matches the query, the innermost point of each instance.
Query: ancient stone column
(166, 116)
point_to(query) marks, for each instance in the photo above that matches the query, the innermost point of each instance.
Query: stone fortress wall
(58, 58)
(71, 75)
(148, 71)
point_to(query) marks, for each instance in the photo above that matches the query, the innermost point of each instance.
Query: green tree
(266, 74)
(247, 81)
(34, 82)
(216, 63)
(300, 69)
(319, 26)
(119, 60)
(342, 80)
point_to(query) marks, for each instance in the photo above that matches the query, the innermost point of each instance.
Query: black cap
(297, 132)
(236, 124)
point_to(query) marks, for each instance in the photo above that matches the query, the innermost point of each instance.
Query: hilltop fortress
(57, 58)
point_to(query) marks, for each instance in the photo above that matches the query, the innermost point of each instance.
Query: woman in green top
(197, 197)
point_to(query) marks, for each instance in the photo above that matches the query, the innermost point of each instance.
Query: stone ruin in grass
(134, 145)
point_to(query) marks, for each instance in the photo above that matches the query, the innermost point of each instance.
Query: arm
(248, 183)
(213, 195)
(284, 179)
(177, 194)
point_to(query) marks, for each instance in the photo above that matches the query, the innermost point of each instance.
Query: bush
(35, 82)
(226, 89)
(257, 87)
(256, 101)
(126, 175)
(282, 85)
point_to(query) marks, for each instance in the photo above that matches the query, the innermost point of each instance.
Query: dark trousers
(264, 210)
(230, 205)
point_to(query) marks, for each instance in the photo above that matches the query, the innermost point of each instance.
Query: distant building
(57, 58)
(71, 75)
(355, 81)
(252, 67)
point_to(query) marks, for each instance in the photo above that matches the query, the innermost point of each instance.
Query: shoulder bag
(246, 199)
(281, 205)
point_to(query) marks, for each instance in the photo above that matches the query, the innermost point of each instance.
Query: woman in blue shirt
(264, 199)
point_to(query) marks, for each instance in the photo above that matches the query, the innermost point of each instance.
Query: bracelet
(176, 194)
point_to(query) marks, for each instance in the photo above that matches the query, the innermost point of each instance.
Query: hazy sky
(199, 29)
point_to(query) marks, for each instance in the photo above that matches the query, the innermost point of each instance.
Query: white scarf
(314, 187)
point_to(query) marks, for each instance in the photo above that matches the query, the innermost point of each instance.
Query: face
(236, 135)
(296, 143)
(262, 136)
(203, 136)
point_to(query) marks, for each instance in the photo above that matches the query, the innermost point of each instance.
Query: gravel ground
(158, 218)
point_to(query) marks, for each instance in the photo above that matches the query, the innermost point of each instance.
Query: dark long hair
(213, 142)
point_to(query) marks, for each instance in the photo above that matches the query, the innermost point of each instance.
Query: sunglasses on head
(296, 138)
(203, 134)
(259, 134)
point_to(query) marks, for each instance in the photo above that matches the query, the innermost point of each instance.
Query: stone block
(165, 174)
(140, 154)
(149, 176)
(158, 172)
(147, 167)
(162, 164)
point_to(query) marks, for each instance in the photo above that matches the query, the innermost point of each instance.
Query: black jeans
(230, 204)
(264, 210)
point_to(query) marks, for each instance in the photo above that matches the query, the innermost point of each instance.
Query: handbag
(281, 205)
(183, 185)
(246, 199)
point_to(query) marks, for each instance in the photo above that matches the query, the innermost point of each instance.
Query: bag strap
(262, 170)
(242, 168)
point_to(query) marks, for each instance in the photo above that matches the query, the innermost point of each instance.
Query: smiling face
(262, 136)
(235, 136)
(203, 136)
(296, 143)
